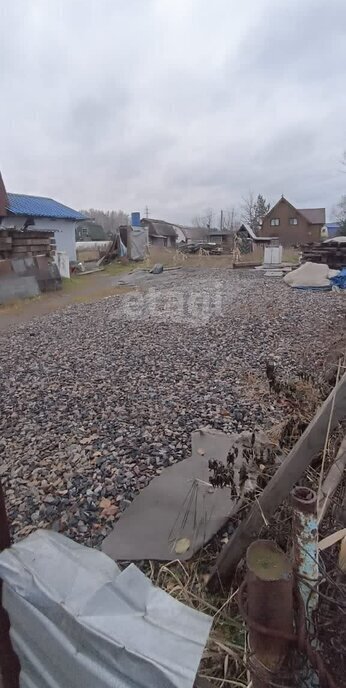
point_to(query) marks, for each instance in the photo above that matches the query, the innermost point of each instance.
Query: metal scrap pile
(210, 248)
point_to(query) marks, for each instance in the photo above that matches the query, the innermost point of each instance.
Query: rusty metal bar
(269, 581)
(305, 554)
(9, 663)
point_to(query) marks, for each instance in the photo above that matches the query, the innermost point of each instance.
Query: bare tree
(341, 216)
(204, 220)
(110, 220)
(231, 219)
(196, 221)
(253, 210)
(248, 209)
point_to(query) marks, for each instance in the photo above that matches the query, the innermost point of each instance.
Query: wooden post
(279, 487)
(9, 663)
(269, 581)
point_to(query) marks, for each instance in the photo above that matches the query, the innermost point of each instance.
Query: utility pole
(146, 211)
(221, 221)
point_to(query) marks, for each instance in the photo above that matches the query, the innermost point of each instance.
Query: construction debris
(331, 539)
(101, 626)
(178, 512)
(17, 244)
(100, 460)
(204, 248)
(292, 468)
(332, 480)
(310, 276)
(330, 252)
(158, 267)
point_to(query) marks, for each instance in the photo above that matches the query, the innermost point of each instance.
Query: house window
(84, 232)
(293, 221)
(275, 222)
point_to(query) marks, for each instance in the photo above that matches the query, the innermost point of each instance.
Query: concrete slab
(13, 287)
(178, 507)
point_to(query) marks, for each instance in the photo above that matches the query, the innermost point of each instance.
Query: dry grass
(76, 290)
(222, 661)
(172, 258)
(256, 256)
(291, 255)
(17, 305)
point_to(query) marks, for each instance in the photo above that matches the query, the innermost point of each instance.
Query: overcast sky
(175, 104)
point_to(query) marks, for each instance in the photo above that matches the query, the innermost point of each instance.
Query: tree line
(110, 220)
(251, 212)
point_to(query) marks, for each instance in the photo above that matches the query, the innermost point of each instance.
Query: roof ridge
(46, 198)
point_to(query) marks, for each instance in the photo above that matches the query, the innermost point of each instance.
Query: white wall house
(47, 215)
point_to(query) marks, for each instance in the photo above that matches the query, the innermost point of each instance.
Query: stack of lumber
(333, 254)
(5, 244)
(16, 244)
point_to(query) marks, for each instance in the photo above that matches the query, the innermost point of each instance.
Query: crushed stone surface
(96, 399)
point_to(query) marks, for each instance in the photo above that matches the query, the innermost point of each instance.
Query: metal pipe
(305, 555)
(269, 615)
(305, 549)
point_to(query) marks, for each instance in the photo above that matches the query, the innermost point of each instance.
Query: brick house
(293, 226)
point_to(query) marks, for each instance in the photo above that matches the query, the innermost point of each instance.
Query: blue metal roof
(38, 206)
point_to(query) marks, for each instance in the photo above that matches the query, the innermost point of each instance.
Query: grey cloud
(179, 105)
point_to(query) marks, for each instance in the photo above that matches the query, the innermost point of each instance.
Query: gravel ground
(97, 398)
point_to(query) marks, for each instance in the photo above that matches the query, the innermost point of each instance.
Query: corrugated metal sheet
(39, 206)
(3, 198)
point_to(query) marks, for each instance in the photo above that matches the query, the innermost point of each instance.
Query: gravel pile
(97, 399)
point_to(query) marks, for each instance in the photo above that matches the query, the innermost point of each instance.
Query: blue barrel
(135, 219)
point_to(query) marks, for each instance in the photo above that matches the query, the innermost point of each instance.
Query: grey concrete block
(18, 266)
(13, 287)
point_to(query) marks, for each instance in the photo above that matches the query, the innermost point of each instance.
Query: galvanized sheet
(77, 621)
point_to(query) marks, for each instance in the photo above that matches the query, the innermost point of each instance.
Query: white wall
(64, 231)
(62, 261)
(180, 234)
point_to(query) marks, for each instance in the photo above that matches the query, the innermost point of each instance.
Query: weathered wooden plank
(332, 480)
(279, 487)
(31, 242)
(22, 250)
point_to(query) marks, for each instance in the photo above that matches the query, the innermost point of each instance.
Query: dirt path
(81, 289)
